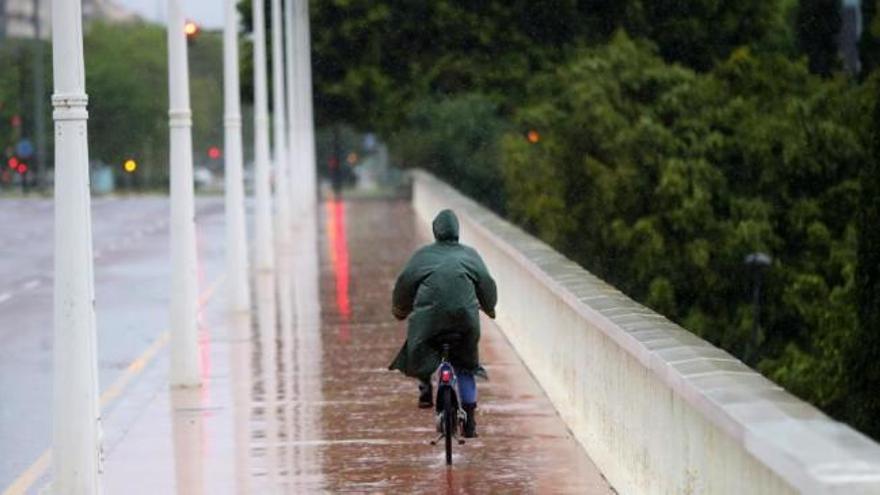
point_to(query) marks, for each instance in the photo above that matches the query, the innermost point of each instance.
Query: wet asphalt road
(130, 239)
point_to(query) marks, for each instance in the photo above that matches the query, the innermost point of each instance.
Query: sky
(208, 13)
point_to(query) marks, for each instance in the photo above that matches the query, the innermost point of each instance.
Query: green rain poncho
(442, 288)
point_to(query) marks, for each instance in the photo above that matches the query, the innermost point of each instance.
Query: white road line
(5, 297)
(32, 284)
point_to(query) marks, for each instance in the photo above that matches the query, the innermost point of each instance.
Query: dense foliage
(670, 140)
(662, 180)
(864, 375)
(459, 140)
(818, 23)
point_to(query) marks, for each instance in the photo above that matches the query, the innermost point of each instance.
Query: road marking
(5, 297)
(39, 467)
(134, 369)
(27, 478)
(32, 284)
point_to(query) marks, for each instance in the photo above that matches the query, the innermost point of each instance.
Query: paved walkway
(298, 399)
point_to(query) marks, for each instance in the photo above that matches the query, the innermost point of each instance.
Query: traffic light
(214, 153)
(130, 166)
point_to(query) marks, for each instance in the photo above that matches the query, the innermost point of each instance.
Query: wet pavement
(297, 397)
(374, 437)
(130, 239)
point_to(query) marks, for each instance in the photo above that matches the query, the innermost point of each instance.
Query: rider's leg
(467, 390)
(426, 395)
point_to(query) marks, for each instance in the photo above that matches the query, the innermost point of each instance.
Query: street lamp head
(191, 29)
(758, 260)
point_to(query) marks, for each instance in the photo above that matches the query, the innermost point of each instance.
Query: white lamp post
(263, 187)
(282, 196)
(184, 283)
(302, 127)
(76, 415)
(307, 110)
(236, 232)
(294, 146)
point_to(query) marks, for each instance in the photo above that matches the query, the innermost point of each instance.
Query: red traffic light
(214, 153)
(12, 162)
(22, 168)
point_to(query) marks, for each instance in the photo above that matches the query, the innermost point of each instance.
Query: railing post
(184, 283)
(76, 415)
(282, 184)
(236, 232)
(262, 182)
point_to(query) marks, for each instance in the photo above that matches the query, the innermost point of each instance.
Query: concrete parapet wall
(657, 408)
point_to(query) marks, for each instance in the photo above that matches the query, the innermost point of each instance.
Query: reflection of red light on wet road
(339, 259)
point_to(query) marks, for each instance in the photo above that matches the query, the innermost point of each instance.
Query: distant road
(132, 278)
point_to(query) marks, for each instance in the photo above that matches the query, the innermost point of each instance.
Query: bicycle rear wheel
(449, 417)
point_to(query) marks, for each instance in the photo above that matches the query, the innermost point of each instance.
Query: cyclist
(442, 288)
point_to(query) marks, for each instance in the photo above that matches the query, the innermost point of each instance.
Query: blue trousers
(467, 388)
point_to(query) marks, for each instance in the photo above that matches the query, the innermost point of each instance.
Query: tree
(699, 33)
(18, 112)
(660, 180)
(372, 61)
(869, 45)
(457, 139)
(126, 77)
(127, 80)
(818, 24)
(864, 400)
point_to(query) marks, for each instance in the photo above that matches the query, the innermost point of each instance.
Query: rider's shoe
(470, 424)
(426, 396)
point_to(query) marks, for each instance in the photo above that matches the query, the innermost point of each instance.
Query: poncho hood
(445, 226)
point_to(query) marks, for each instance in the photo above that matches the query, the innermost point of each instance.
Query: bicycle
(450, 417)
